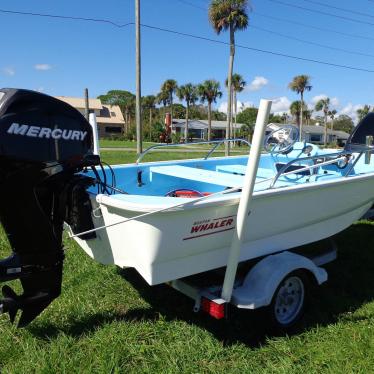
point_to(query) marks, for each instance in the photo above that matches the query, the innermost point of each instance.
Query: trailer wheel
(287, 305)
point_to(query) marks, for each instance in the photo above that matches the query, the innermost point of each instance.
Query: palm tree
(162, 98)
(295, 110)
(300, 84)
(149, 102)
(169, 87)
(307, 114)
(323, 105)
(189, 93)
(237, 85)
(332, 114)
(362, 112)
(229, 15)
(209, 91)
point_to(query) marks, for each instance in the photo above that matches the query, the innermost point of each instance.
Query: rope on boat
(192, 201)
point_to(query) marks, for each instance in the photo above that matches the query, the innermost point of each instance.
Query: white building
(198, 128)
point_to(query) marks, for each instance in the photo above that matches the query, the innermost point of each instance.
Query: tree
(229, 15)
(163, 98)
(332, 114)
(362, 112)
(237, 85)
(248, 116)
(295, 109)
(189, 93)
(209, 91)
(169, 87)
(324, 105)
(300, 84)
(149, 102)
(124, 99)
(344, 123)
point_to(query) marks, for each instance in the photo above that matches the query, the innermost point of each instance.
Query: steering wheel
(184, 191)
(342, 164)
(281, 140)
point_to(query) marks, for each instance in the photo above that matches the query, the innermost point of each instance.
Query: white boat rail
(216, 142)
(338, 156)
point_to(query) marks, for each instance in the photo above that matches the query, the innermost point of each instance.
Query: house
(316, 134)
(198, 128)
(109, 118)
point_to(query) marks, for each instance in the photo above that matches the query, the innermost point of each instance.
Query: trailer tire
(289, 299)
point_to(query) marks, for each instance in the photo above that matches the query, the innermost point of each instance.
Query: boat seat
(199, 175)
(241, 169)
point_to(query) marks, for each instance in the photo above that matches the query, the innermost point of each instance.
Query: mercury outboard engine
(44, 142)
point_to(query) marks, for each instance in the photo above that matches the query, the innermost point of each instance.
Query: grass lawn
(108, 143)
(108, 320)
(120, 157)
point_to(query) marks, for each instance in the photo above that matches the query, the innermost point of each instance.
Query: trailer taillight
(212, 308)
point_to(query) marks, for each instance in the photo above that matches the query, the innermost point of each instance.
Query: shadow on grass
(350, 285)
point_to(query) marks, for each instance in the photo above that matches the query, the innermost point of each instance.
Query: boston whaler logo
(211, 226)
(46, 132)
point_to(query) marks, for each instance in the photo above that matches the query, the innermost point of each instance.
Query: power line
(260, 50)
(193, 5)
(67, 17)
(321, 62)
(312, 43)
(295, 22)
(338, 8)
(322, 12)
(314, 27)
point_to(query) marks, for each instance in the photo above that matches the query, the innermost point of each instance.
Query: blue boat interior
(206, 176)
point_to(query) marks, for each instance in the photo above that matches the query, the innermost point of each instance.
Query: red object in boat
(190, 194)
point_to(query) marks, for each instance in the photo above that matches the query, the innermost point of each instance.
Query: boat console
(43, 143)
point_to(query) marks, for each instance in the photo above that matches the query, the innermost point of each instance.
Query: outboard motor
(44, 142)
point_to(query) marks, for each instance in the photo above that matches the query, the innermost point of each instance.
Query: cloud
(351, 110)
(9, 71)
(42, 67)
(258, 83)
(280, 105)
(40, 89)
(241, 106)
(334, 101)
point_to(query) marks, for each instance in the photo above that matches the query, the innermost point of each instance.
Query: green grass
(108, 143)
(120, 157)
(111, 321)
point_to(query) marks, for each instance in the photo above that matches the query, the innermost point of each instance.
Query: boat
(302, 194)
(172, 220)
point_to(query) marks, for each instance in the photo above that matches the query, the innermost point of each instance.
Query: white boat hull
(174, 244)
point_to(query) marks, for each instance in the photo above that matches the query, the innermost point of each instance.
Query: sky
(61, 57)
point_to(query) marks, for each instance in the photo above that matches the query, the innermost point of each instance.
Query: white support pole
(95, 134)
(246, 198)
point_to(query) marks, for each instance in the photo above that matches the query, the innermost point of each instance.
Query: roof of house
(113, 115)
(79, 103)
(320, 130)
(202, 124)
(109, 114)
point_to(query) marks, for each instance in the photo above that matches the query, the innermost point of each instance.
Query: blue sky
(61, 57)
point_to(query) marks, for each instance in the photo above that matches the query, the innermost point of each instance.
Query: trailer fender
(263, 279)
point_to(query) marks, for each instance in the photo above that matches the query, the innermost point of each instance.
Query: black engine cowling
(43, 143)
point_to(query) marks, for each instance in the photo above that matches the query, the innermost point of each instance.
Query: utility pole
(86, 104)
(139, 147)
